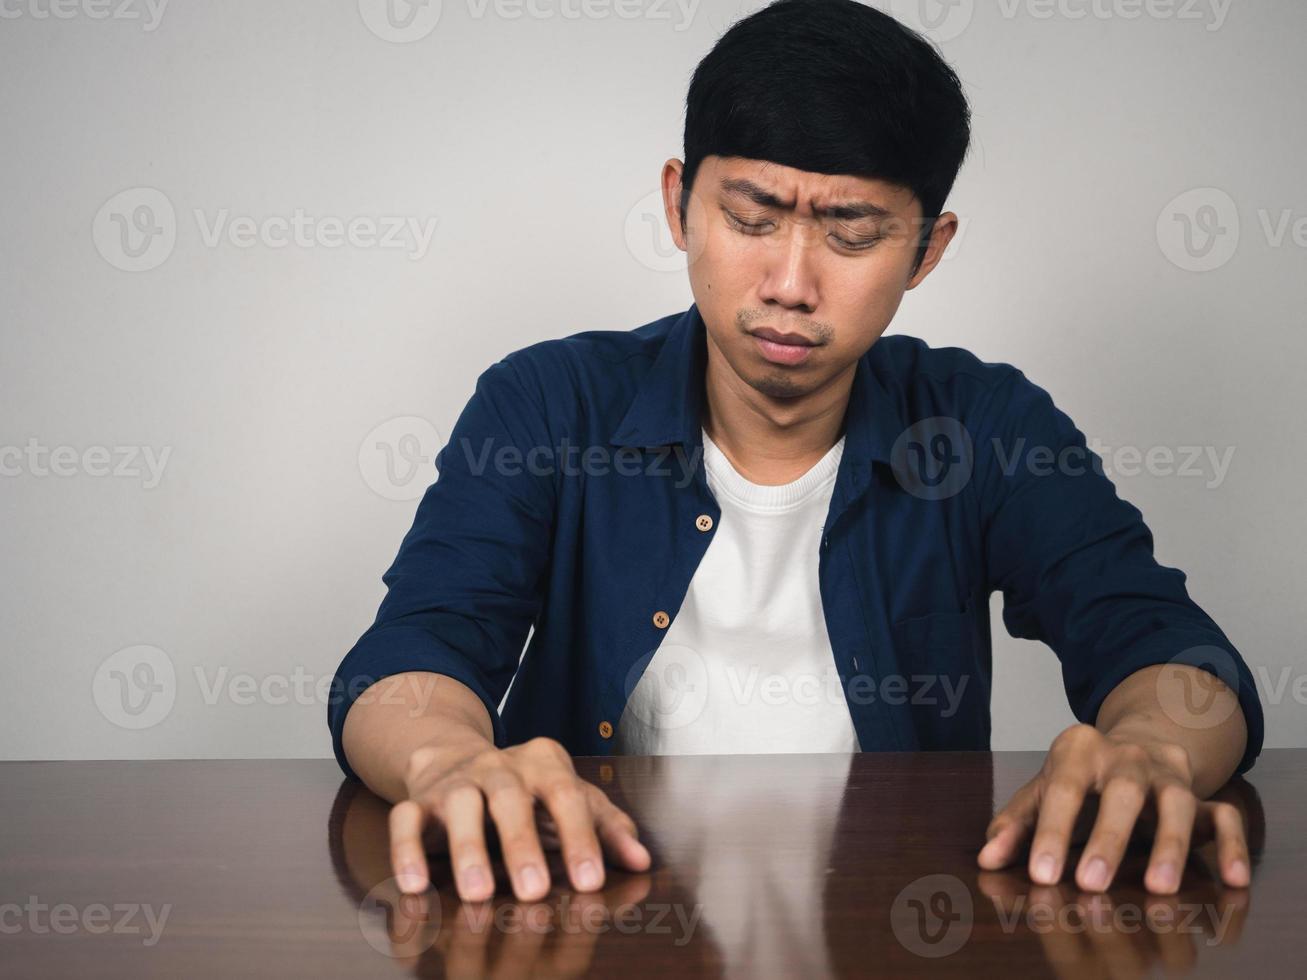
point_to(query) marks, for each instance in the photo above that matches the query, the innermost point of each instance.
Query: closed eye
(757, 228)
(746, 226)
(861, 245)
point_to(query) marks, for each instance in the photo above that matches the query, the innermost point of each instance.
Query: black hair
(831, 87)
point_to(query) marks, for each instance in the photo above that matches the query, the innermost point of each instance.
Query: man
(757, 526)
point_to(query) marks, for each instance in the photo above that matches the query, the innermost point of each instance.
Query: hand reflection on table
(1127, 931)
(741, 860)
(1110, 935)
(779, 868)
(563, 935)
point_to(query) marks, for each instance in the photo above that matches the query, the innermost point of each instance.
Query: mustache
(819, 331)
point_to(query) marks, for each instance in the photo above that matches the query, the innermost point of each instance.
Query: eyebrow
(845, 210)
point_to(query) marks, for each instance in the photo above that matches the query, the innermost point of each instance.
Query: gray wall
(241, 389)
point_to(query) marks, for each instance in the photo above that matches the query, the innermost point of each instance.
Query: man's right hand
(425, 742)
(461, 792)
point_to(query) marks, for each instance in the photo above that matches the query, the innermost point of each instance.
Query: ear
(673, 171)
(945, 227)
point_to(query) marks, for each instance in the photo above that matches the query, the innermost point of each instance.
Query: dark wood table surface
(789, 865)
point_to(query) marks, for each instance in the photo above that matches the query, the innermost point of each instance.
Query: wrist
(452, 747)
(1168, 753)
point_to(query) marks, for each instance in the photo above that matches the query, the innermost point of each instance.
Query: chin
(780, 386)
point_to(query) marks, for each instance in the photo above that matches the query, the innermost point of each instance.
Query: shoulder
(909, 364)
(588, 362)
(992, 400)
(951, 381)
(581, 384)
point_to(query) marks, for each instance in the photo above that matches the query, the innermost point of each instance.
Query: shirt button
(605, 729)
(661, 619)
(704, 522)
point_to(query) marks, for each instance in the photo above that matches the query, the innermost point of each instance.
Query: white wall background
(532, 139)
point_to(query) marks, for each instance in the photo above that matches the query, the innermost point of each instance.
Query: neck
(771, 441)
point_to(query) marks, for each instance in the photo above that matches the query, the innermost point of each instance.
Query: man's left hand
(1141, 784)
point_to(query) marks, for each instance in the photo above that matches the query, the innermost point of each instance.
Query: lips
(776, 337)
(783, 348)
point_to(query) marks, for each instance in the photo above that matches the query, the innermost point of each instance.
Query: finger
(548, 775)
(1165, 916)
(1067, 950)
(1003, 889)
(562, 793)
(618, 832)
(1009, 829)
(464, 943)
(1117, 953)
(462, 810)
(1119, 806)
(518, 950)
(1231, 843)
(1227, 917)
(1177, 951)
(629, 892)
(411, 926)
(1176, 808)
(407, 858)
(1060, 803)
(572, 955)
(512, 809)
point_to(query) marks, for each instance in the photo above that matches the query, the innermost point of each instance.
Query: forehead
(803, 189)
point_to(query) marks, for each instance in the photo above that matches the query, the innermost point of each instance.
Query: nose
(790, 274)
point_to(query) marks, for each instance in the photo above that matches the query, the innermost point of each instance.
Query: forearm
(1135, 710)
(402, 713)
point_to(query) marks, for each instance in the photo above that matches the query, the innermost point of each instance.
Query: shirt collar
(667, 407)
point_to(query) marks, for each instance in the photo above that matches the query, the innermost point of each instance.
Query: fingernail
(1239, 872)
(1096, 874)
(1165, 876)
(410, 879)
(532, 879)
(475, 880)
(587, 875)
(1046, 869)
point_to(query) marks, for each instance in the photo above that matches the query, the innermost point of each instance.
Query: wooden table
(764, 865)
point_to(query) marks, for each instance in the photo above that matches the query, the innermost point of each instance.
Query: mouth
(782, 348)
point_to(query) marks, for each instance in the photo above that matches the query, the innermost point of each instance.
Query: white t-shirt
(718, 821)
(746, 665)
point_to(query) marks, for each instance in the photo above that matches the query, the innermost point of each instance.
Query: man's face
(775, 251)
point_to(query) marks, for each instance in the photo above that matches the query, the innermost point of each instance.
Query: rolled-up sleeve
(1075, 561)
(466, 584)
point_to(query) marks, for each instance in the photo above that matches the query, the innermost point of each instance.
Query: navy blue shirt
(570, 498)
